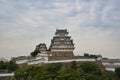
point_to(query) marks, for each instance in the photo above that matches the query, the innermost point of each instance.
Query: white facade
(70, 60)
(43, 58)
(111, 64)
(21, 61)
(61, 42)
(39, 59)
(61, 50)
(110, 69)
(6, 74)
(58, 61)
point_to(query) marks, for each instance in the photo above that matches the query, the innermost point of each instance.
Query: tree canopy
(35, 52)
(8, 66)
(55, 71)
(117, 71)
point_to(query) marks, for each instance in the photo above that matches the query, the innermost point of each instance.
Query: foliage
(3, 65)
(34, 53)
(91, 77)
(89, 67)
(73, 65)
(117, 71)
(20, 74)
(111, 75)
(54, 67)
(93, 56)
(92, 72)
(48, 72)
(86, 54)
(8, 66)
(89, 55)
(54, 71)
(69, 74)
(11, 66)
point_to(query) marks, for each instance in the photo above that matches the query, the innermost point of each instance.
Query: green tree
(111, 75)
(11, 66)
(54, 71)
(34, 53)
(73, 65)
(8, 66)
(93, 56)
(86, 55)
(20, 74)
(42, 75)
(92, 77)
(92, 72)
(46, 72)
(69, 74)
(117, 71)
(54, 67)
(2, 65)
(89, 67)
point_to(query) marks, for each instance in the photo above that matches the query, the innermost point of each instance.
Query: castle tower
(61, 44)
(41, 48)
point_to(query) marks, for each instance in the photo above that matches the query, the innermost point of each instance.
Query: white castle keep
(61, 51)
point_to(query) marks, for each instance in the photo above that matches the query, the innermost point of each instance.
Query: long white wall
(38, 60)
(6, 74)
(110, 69)
(110, 66)
(21, 61)
(71, 60)
(108, 63)
(58, 61)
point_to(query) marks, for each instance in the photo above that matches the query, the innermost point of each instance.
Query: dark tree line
(7, 66)
(35, 52)
(89, 55)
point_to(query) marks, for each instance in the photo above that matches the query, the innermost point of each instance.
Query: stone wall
(6, 78)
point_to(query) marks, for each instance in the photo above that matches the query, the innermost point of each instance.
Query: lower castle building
(111, 64)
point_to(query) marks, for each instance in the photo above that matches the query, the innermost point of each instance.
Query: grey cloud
(93, 24)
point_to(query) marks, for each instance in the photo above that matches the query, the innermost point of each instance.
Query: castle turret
(41, 48)
(62, 44)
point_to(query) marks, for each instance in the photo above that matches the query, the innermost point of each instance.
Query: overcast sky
(94, 25)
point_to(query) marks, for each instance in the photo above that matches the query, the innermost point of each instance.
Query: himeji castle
(61, 45)
(61, 50)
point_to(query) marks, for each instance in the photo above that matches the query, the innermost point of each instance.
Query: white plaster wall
(56, 50)
(110, 69)
(70, 60)
(21, 61)
(35, 62)
(6, 74)
(46, 61)
(107, 63)
(118, 63)
(38, 60)
(99, 58)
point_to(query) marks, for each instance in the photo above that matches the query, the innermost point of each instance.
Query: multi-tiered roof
(41, 48)
(61, 44)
